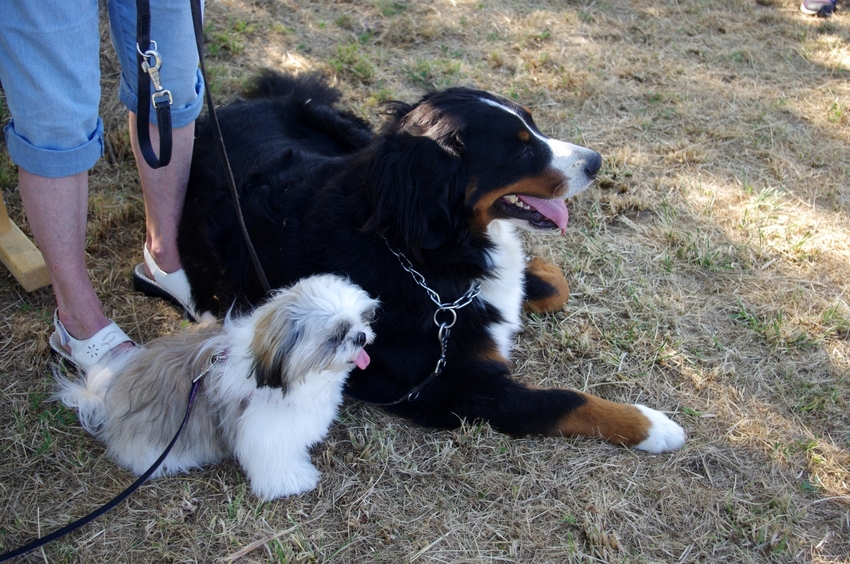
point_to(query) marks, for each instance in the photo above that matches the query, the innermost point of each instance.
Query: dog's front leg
(281, 474)
(546, 289)
(519, 410)
(272, 449)
(635, 426)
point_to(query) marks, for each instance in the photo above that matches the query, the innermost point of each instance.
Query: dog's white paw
(663, 434)
(304, 479)
(295, 480)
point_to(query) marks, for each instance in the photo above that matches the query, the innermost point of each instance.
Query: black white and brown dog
(422, 213)
(272, 386)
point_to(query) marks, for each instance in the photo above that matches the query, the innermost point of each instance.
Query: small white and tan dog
(273, 394)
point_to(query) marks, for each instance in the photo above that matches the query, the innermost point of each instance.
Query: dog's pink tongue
(554, 210)
(362, 360)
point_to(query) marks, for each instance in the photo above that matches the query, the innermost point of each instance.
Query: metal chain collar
(443, 309)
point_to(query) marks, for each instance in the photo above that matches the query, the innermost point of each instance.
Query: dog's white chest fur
(504, 290)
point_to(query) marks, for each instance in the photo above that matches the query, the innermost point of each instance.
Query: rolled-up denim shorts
(50, 72)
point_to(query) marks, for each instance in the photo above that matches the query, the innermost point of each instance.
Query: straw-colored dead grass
(709, 275)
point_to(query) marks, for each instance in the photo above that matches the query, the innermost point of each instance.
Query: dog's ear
(413, 191)
(275, 337)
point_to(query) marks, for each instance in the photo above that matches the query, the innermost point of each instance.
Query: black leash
(39, 542)
(197, 20)
(149, 63)
(412, 395)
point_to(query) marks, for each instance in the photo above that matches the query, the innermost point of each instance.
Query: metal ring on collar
(445, 325)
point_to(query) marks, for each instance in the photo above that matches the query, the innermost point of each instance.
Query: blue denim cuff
(54, 163)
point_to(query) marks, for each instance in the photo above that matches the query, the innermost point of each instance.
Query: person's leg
(56, 211)
(164, 190)
(55, 136)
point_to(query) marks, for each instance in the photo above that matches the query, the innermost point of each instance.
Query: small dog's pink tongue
(362, 360)
(554, 210)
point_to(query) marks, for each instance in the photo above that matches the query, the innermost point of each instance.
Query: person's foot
(85, 353)
(819, 8)
(152, 280)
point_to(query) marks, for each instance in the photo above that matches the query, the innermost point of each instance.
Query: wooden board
(20, 255)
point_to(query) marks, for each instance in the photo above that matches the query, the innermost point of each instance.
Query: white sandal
(86, 353)
(172, 287)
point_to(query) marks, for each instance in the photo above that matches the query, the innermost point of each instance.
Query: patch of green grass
(773, 328)
(344, 21)
(49, 418)
(740, 57)
(349, 61)
(8, 171)
(449, 52)
(377, 97)
(701, 249)
(221, 82)
(691, 412)
(389, 8)
(229, 38)
(836, 113)
(836, 320)
(818, 396)
(237, 503)
(438, 73)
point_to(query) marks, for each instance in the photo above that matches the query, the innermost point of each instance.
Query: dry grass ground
(709, 271)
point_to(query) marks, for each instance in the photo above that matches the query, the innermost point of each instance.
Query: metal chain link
(464, 300)
(443, 327)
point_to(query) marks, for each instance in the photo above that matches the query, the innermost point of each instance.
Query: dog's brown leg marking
(552, 276)
(490, 353)
(617, 423)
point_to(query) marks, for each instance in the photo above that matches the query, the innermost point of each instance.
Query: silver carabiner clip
(214, 359)
(153, 70)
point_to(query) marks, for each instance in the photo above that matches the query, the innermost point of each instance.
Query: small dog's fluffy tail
(87, 394)
(312, 87)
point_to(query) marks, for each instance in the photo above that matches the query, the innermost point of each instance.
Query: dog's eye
(369, 315)
(523, 152)
(339, 333)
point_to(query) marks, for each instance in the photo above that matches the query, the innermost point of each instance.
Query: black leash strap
(410, 396)
(150, 62)
(39, 542)
(222, 151)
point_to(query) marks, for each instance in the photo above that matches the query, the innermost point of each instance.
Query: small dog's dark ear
(414, 185)
(270, 364)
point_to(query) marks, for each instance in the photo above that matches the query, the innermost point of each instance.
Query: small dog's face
(321, 324)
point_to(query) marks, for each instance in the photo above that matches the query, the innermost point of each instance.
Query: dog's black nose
(594, 163)
(360, 339)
